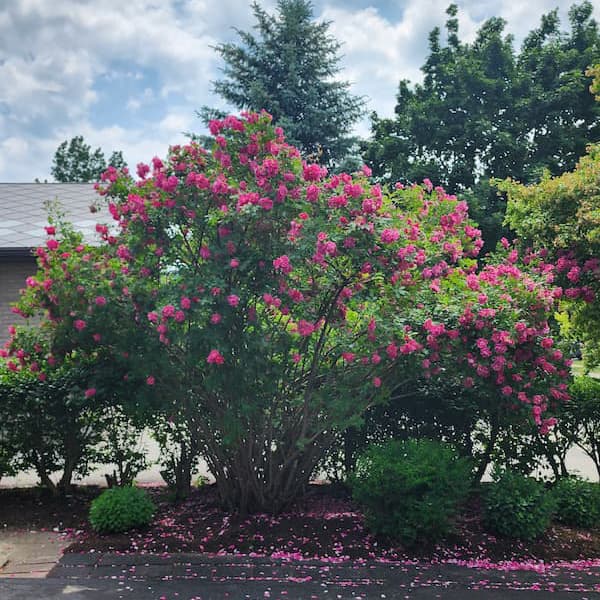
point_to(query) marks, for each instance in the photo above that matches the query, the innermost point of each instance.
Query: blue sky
(129, 74)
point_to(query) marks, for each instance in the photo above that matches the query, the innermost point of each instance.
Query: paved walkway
(30, 553)
(97, 576)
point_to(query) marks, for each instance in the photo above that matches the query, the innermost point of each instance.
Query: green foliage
(179, 450)
(485, 110)
(422, 409)
(577, 502)
(50, 424)
(411, 490)
(75, 162)
(594, 72)
(7, 455)
(521, 448)
(120, 509)
(117, 160)
(562, 216)
(122, 447)
(560, 113)
(517, 506)
(288, 69)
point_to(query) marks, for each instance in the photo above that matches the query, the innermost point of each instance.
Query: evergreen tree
(288, 69)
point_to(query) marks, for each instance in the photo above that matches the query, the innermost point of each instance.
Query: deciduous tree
(268, 305)
(485, 110)
(75, 162)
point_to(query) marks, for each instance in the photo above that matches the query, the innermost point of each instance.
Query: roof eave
(22, 252)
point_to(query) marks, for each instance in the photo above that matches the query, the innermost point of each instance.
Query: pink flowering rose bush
(269, 304)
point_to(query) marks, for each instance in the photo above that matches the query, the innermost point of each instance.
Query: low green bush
(577, 502)
(517, 506)
(411, 490)
(121, 508)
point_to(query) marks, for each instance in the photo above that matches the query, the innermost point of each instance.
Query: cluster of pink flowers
(291, 250)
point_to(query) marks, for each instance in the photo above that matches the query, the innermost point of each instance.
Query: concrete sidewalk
(200, 577)
(30, 553)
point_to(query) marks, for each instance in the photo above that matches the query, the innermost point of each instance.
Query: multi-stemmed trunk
(253, 478)
(268, 465)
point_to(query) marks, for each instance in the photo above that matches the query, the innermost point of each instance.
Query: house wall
(13, 272)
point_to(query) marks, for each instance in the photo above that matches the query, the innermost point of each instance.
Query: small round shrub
(119, 509)
(411, 490)
(577, 502)
(516, 506)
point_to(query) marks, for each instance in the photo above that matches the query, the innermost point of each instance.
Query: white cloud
(133, 104)
(129, 75)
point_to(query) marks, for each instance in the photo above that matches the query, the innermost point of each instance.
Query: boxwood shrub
(577, 502)
(121, 508)
(516, 506)
(411, 490)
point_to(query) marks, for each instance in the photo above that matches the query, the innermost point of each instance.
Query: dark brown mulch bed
(325, 524)
(37, 508)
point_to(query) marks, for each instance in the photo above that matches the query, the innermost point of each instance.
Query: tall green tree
(288, 68)
(485, 110)
(561, 115)
(117, 160)
(75, 162)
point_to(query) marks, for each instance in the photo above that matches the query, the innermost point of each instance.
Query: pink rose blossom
(215, 358)
(79, 324)
(388, 236)
(282, 264)
(168, 311)
(305, 328)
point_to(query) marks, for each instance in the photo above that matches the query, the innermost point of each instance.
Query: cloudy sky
(129, 74)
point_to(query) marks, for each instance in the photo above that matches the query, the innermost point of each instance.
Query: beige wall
(13, 272)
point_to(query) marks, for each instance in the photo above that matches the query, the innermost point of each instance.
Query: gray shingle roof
(23, 214)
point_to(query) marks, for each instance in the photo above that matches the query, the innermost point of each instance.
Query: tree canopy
(268, 305)
(288, 68)
(485, 110)
(75, 162)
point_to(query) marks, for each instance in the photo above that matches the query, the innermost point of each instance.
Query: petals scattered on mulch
(323, 540)
(328, 526)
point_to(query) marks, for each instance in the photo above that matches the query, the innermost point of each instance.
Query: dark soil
(37, 508)
(326, 524)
